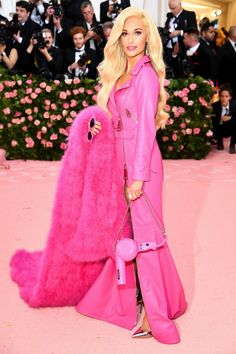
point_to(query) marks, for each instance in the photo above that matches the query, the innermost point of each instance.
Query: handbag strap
(154, 214)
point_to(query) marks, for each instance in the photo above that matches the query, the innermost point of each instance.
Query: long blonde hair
(114, 63)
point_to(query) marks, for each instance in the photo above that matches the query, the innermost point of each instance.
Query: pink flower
(63, 146)
(1, 87)
(47, 108)
(174, 137)
(185, 91)
(181, 110)
(203, 101)
(167, 107)
(76, 81)
(185, 99)
(84, 103)
(47, 102)
(73, 114)
(64, 113)
(68, 81)
(23, 101)
(24, 128)
(46, 115)
(62, 95)
(28, 100)
(196, 131)
(57, 82)
(176, 93)
(30, 118)
(54, 136)
(19, 82)
(22, 119)
(165, 138)
(193, 86)
(97, 87)
(209, 133)
(39, 135)
(35, 109)
(75, 92)
(49, 125)
(73, 103)
(181, 147)
(28, 90)
(68, 92)
(190, 103)
(1, 126)
(63, 131)
(189, 131)
(94, 98)
(28, 111)
(43, 142)
(58, 117)
(48, 89)
(81, 90)
(6, 83)
(53, 117)
(44, 130)
(37, 122)
(69, 120)
(7, 111)
(53, 106)
(14, 143)
(182, 125)
(29, 82)
(38, 90)
(7, 94)
(166, 82)
(33, 95)
(17, 114)
(29, 142)
(170, 148)
(49, 144)
(42, 85)
(66, 105)
(89, 92)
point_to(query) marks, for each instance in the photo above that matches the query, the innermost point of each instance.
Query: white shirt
(91, 41)
(192, 50)
(172, 27)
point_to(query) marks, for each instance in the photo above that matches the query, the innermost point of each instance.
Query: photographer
(110, 9)
(107, 27)
(80, 61)
(92, 27)
(8, 54)
(55, 22)
(47, 59)
(38, 10)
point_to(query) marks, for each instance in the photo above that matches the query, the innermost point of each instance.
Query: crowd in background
(65, 40)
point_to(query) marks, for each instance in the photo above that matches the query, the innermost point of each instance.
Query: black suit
(224, 129)
(69, 58)
(186, 19)
(211, 58)
(104, 9)
(226, 66)
(95, 23)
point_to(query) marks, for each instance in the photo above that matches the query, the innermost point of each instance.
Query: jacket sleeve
(147, 92)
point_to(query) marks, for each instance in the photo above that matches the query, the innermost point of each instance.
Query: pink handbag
(127, 249)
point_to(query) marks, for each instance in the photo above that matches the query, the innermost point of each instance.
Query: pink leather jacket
(133, 107)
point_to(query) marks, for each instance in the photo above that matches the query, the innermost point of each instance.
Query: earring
(147, 49)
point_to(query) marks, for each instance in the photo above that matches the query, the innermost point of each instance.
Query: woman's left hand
(134, 191)
(96, 128)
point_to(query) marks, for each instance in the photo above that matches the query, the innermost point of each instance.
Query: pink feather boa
(88, 209)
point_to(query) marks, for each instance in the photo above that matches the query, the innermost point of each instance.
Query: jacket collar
(145, 59)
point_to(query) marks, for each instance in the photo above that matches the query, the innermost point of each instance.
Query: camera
(83, 60)
(41, 42)
(187, 68)
(58, 10)
(98, 29)
(8, 29)
(116, 8)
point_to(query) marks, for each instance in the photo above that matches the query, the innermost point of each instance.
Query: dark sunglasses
(91, 125)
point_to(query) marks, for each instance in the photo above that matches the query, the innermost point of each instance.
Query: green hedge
(35, 116)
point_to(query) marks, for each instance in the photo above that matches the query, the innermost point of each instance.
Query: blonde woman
(132, 76)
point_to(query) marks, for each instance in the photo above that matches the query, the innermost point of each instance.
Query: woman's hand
(134, 191)
(96, 128)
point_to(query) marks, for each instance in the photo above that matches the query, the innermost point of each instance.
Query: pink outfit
(133, 108)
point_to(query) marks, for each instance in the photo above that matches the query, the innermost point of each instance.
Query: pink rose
(185, 99)
(69, 120)
(58, 117)
(48, 89)
(35, 109)
(193, 86)
(43, 85)
(29, 82)
(57, 82)
(30, 118)
(73, 114)
(170, 148)
(37, 122)
(209, 133)
(84, 103)
(1, 126)
(166, 82)
(185, 91)
(19, 82)
(43, 142)
(190, 103)
(47, 108)
(49, 144)
(22, 119)
(196, 131)
(181, 110)
(28, 111)
(29, 142)
(62, 95)
(63, 131)
(7, 111)
(81, 90)
(189, 131)
(24, 128)
(182, 125)
(7, 94)
(47, 102)
(89, 92)
(53, 117)
(46, 115)
(53, 106)
(64, 113)
(49, 125)
(54, 136)
(28, 90)
(176, 93)
(165, 138)
(76, 81)
(75, 92)
(1, 87)
(33, 95)
(39, 135)
(73, 103)
(38, 90)
(14, 143)
(23, 101)
(174, 137)
(68, 81)
(68, 92)
(94, 98)
(167, 107)
(63, 146)
(44, 130)
(97, 87)
(203, 101)
(17, 114)
(66, 105)
(28, 100)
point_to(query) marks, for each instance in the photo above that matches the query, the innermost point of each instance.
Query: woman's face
(133, 37)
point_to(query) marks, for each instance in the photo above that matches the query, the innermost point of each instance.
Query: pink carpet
(200, 216)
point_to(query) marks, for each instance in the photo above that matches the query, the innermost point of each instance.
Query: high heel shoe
(142, 334)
